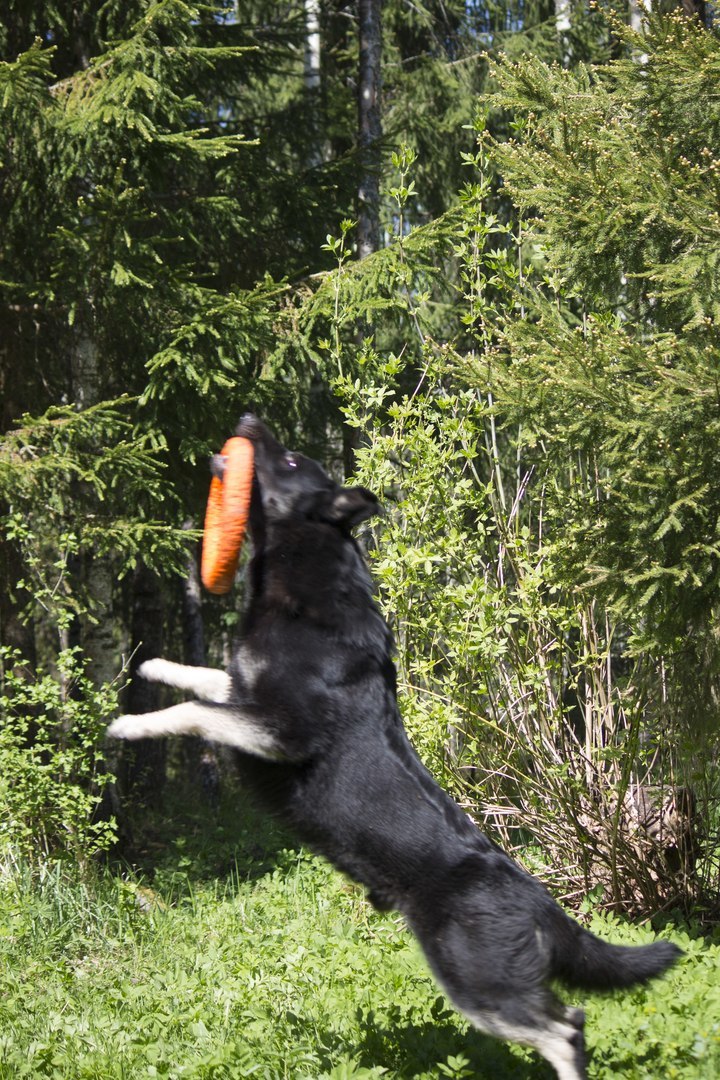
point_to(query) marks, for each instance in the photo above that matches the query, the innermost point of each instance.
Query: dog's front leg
(233, 726)
(210, 684)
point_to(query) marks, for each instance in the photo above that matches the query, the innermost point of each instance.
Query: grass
(236, 955)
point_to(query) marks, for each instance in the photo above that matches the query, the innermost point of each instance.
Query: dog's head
(290, 486)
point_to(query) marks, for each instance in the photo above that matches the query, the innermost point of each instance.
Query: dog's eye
(291, 461)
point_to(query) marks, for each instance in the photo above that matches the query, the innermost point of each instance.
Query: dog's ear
(351, 505)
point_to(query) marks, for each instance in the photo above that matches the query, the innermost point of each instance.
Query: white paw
(156, 670)
(127, 727)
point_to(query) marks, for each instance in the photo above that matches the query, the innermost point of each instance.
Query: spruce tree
(129, 341)
(616, 172)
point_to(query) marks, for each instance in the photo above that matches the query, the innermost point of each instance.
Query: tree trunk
(144, 761)
(16, 632)
(562, 25)
(638, 12)
(98, 637)
(311, 64)
(96, 631)
(193, 629)
(369, 136)
(696, 9)
(311, 72)
(203, 759)
(370, 126)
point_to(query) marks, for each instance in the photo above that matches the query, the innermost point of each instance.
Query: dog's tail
(583, 960)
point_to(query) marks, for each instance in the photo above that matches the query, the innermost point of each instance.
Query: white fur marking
(554, 1042)
(210, 684)
(195, 718)
(251, 666)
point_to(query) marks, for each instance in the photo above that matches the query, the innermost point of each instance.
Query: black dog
(310, 702)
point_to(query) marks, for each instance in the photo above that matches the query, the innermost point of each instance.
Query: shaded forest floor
(226, 952)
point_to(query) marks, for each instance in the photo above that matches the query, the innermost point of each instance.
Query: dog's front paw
(127, 727)
(218, 465)
(156, 670)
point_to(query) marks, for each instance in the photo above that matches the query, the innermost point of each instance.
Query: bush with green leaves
(550, 557)
(508, 679)
(75, 487)
(52, 770)
(607, 384)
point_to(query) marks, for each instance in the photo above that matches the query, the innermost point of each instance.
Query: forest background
(468, 254)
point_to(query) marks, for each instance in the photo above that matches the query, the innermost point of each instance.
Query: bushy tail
(585, 961)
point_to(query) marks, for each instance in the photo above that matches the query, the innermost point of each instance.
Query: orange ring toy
(226, 516)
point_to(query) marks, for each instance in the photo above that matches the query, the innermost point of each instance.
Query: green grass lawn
(240, 956)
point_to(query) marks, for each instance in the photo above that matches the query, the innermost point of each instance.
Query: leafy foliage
(556, 625)
(52, 772)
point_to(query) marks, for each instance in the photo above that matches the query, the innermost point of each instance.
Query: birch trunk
(312, 45)
(311, 75)
(369, 136)
(562, 25)
(95, 631)
(638, 12)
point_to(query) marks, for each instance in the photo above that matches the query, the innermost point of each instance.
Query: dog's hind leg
(560, 1041)
(210, 684)
(233, 726)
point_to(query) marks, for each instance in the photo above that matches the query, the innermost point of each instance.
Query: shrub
(551, 560)
(52, 771)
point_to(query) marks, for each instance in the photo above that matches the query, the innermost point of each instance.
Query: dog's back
(316, 655)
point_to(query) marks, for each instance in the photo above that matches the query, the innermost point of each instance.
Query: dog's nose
(247, 425)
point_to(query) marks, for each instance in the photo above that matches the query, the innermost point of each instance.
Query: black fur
(314, 666)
